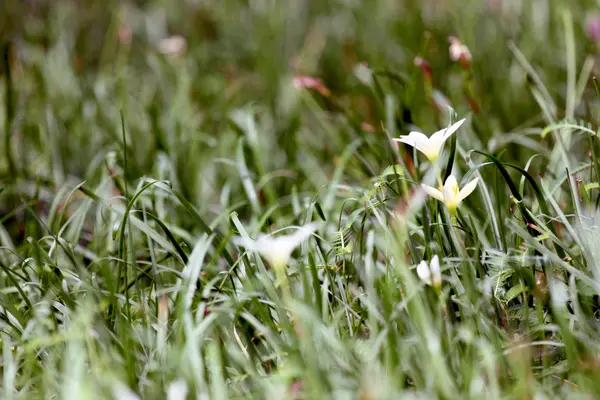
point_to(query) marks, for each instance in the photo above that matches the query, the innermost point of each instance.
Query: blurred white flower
(172, 46)
(450, 194)
(430, 146)
(430, 273)
(559, 292)
(364, 74)
(459, 51)
(177, 390)
(122, 392)
(277, 251)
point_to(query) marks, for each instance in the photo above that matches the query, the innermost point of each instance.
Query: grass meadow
(299, 199)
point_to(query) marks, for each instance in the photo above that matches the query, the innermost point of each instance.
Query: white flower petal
(449, 198)
(423, 272)
(413, 139)
(559, 291)
(173, 45)
(450, 192)
(451, 182)
(430, 146)
(439, 137)
(434, 264)
(430, 149)
(453, 128)
(436, 141)
(177, 390)
(122, 392)
(263, 244)
(303, 233)
(277, 250)
(247, 243)
(467, 189)
(436, 274)
(433, 192)
(455, 51)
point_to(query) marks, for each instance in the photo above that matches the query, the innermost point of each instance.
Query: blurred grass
(117, 275)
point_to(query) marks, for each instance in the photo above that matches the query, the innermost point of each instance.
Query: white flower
(177, 390)
(430, 146)
(278, 250)
(122, 392)
(364, 74)
(459, 51)
(172, 46)
(450, 195)
(430, 274)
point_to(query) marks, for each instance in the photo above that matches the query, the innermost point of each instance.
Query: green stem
(285, 283)
(453, 220)
(438, 173)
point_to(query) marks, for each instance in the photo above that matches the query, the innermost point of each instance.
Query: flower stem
(438, 174)
(453, 220)
(285, 283)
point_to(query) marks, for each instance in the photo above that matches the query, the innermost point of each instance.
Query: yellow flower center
(455, 190)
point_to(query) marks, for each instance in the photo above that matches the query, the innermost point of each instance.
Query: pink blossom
(593, 27)
(459, 52)
(308, 82)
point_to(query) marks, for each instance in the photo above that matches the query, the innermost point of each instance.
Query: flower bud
(459, 52)
(593, 27)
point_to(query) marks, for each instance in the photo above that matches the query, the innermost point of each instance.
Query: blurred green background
(191, 114)
(76, 64)
(204, 94)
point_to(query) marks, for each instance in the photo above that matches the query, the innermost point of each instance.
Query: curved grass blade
(513, 189)
(538, 193)
(450, 163)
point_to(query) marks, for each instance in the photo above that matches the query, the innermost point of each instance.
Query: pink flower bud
(308, 82)
(593, 27)
(459, 52)
(425, 67)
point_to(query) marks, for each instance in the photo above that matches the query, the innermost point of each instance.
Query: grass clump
(208, 201)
